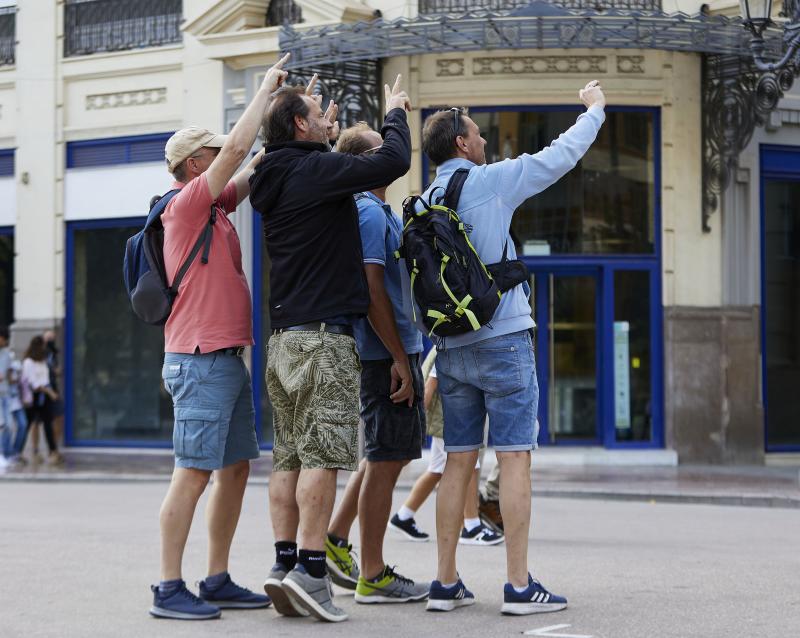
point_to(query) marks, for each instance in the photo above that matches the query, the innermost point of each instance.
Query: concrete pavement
(555, 473)
(77, 559)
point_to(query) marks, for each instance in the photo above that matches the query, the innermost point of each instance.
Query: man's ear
(300, 123)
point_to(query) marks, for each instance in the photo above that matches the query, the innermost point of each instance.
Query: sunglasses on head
(457, 113)
(373, 150)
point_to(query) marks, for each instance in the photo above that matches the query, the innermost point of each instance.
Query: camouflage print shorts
(313, 380)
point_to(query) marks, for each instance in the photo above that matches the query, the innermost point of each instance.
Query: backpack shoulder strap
(203, 243)
(159, 205)
(453, 192)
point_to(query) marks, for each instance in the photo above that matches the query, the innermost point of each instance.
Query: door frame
(776, 163)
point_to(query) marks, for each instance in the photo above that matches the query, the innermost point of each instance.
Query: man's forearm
(381, 318)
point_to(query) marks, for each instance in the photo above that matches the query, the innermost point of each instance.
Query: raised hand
(330, 114)
(311, 84)
(592, 94)
(395, 97)
(275, 76)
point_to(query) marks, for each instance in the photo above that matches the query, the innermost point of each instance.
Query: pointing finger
(279, 64)
(396, 87)
(387, 92)
(312, 84)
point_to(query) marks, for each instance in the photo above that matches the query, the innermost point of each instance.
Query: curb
(655, 497)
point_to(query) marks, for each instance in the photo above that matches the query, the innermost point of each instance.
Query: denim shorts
(392, 431)
(214, 416)
(494, 377)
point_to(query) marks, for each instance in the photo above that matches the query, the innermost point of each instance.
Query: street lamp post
(756, 16)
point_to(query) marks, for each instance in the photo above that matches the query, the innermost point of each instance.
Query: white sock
(471, 523)
(519, 590)
(449, 585)
(404, 513)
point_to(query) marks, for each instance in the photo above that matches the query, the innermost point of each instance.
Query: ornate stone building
(665, 267)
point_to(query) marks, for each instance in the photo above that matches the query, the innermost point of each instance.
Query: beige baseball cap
(187, 141)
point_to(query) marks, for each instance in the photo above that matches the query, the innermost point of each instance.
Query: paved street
(77, 559)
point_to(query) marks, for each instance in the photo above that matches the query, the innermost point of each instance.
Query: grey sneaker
(313, 594)
(274, 588)
(390, 588)
(341, 564)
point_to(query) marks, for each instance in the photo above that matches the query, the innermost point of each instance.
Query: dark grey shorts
(392, 431)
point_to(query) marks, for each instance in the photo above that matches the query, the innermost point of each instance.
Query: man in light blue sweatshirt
(492, 370)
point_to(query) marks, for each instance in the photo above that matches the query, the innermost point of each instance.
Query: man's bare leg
(450, 510)
(422, 489)
(283, 508)
(222, 513)
(374, 509)
(515, 505)
(347, 511)
(471, 506)
(316, 494)
(177, 512)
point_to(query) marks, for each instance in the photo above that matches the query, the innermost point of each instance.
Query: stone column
(38, 266)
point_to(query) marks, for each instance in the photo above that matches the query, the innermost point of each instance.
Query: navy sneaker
(181, 604)
(229, 595)
(480, 535)
(443, 598)
(409, 529)
(534, 600)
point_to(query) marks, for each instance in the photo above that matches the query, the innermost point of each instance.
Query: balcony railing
(99, 26)
(8, 35)
(464, 6)
(283, 12)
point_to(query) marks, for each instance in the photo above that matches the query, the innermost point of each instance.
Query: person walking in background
(5, 415)
(36, 376)
(54, 366)
(492, 370)
(15, 414)
(205, 337)
(318, 288)
(474, 531)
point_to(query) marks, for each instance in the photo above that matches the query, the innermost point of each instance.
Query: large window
(605, 205)
(116, 390)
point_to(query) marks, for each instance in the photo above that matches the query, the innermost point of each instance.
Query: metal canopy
(531, 27)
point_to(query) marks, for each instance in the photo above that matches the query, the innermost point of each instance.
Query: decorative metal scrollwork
(354, 86)
(737, 98)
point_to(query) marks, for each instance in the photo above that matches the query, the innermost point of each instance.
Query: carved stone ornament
(121, 99)
(630, 64)
(449, 68)
(527, 64)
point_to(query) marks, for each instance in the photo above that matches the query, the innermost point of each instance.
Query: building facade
(662, 322)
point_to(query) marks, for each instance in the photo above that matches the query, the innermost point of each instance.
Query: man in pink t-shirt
(210, 324)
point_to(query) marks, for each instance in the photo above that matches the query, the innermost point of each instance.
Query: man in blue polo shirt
(389, 346)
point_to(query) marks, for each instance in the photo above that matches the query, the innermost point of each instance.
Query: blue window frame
(777, 164)
(7, 162)
(603, 267)
(7, 275)
(116, 150)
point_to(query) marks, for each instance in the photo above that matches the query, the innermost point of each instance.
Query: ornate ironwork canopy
(539, 25)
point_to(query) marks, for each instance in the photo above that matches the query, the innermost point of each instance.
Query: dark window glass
(7, 163)
(782, 310)
(605, 205)
(633, 405)
(7, 279)
(117, 389)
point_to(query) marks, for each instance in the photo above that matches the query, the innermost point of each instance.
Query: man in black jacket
(317, 288)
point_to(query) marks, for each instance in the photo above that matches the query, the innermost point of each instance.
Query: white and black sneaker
(480, 535)
(409, 529)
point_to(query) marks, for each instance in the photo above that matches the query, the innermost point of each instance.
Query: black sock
(339, 542)
(286, 554)
(314, 562)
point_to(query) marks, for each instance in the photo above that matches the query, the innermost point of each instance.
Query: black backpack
(143, 267)
(454, 290)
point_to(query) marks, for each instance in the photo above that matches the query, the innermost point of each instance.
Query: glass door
(567, 342)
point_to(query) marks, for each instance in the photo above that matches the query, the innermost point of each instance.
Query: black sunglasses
(457, 113)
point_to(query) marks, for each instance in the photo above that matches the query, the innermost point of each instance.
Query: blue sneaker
(534, 600)
(181, 604)
(229, 595)
(443, 598)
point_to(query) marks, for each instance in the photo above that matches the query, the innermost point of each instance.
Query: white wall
(116, 191)
(8, 197)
